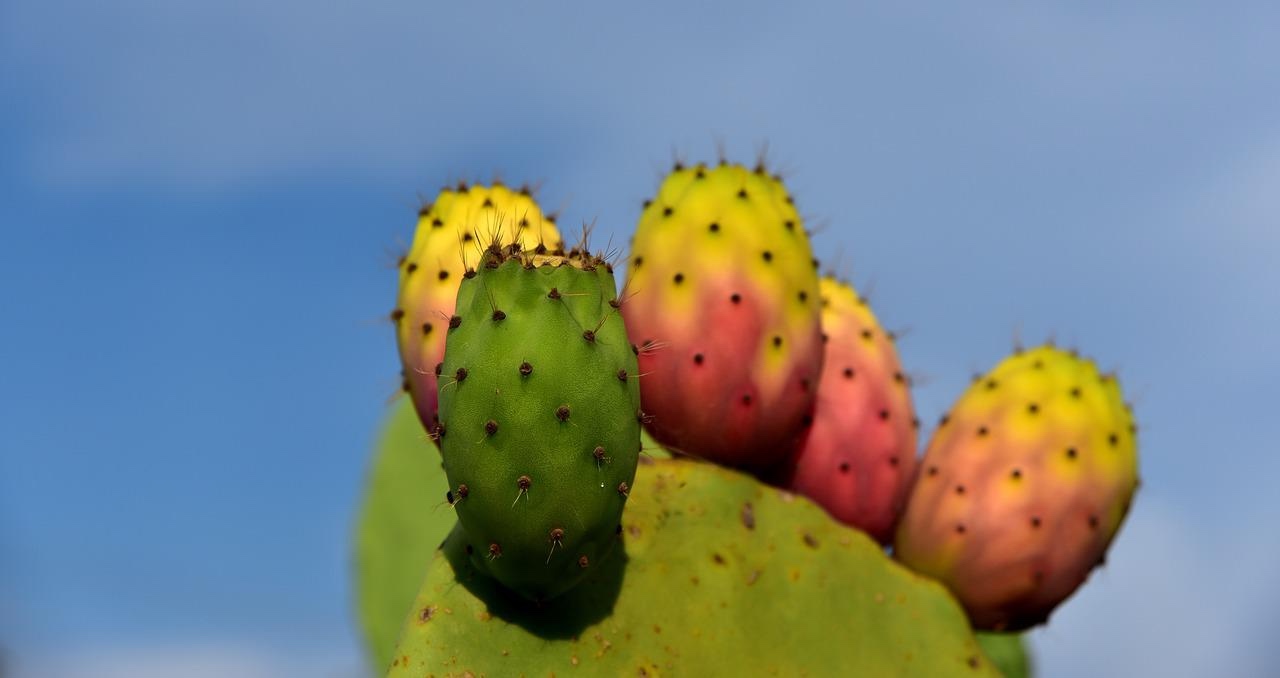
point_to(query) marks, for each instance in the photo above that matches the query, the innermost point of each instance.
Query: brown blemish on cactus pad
(623, 489)
(491, 427)
(748, 516)
(495, 551)
(562, 413)
(810, 540)
(717, 558)
(426, 613)
(553, 294)
(526, 369)
(622, 374)
(499, 315)
(583, 562)
(461, 374)
(454, 322)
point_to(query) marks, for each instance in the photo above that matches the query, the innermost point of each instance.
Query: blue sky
(200, 201)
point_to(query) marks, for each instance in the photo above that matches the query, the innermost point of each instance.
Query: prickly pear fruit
(451, 233)
(859, 457)
(1022, 488)
(539, 417)
(723, 300)
(402, 521)
(708, 558)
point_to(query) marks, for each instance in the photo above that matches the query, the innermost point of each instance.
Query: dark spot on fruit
(1035, 521)
(1016, 474)
(439, 369)
(411, 268)
(697, 358)
(789, 225)
(679, 278)
(933, 470)
(1113, 439)
(742, 193)
(1075, 392)
(991, 384)
(666, 211)
(426, 328)
(803, 296)
(714, 227)
(1033, 408)
(959, 528)
(746, 399)
(1093, 522)
(467, 237)
(960, 489)
(982, 431)
(884, 415)
(777, 341)
(866, 334)
(396, 315)
(748, 515)
(735, 298)
(637, 261)
(848, 373)
(717, 558)
(810, 540)
(1071, 453)
(436, 223)
(426, 613)
(768, 256)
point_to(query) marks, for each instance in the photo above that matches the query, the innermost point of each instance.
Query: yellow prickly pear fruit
(1023, 487)
(452, 234)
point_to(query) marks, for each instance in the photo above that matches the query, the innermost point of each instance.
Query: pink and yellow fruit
(1023, 487)
(859, 457)
(722, 301)
(452, 234)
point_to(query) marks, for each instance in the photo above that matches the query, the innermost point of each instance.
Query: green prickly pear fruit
(717, 575)
(858, 458)
(723, 300)
(1023, 487)
(451, 234)
(539, 417)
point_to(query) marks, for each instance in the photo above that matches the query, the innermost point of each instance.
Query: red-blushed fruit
(858, 458)
(1022, 488)
(722, 302)
(452, 233)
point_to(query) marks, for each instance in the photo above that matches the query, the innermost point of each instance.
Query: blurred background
(201, 204)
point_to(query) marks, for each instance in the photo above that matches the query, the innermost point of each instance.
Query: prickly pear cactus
(1008, 651)
(402, 521)
(452, 232)
(723, 303)
(721, 575)
(539, 418)
(1022, 488)
(858, 458)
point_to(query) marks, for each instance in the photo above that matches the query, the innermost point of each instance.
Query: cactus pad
(721, 575)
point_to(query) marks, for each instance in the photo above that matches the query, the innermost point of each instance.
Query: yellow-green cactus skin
(720, 576)
(1023, 487)
(722, 301)
(451, 235)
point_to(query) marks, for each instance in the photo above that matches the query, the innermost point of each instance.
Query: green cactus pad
(719, 575)
(402, 521)
(539, 418)
(1008, 652)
